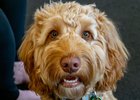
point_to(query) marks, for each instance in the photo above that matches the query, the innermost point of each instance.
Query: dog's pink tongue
(70, 82)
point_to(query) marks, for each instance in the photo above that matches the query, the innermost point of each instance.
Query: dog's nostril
(70, 64)
(75, 64)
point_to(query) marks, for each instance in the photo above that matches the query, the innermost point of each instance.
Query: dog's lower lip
(70, 82)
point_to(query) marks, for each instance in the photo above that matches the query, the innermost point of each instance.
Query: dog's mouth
(70, 81)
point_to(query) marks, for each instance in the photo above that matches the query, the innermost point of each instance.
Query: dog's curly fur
(71, 29)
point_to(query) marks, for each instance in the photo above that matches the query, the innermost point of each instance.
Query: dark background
(126, 15)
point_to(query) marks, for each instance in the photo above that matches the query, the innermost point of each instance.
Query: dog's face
(71, 49)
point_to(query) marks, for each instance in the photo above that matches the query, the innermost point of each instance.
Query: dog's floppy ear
(26, 50)
(26, 54)
(29, 43)
(29, 55)
(117, 53)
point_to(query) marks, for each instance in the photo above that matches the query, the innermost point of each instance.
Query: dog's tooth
(71, 81)
(68, 81)
(76, 79)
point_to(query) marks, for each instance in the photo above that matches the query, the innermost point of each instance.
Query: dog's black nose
(70, 64)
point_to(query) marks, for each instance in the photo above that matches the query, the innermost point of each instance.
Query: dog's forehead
(71, 13)
(69, 17)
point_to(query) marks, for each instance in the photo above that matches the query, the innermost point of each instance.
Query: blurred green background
(126, 15)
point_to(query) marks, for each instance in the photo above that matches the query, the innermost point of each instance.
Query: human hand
(20, 74)
(28, 95)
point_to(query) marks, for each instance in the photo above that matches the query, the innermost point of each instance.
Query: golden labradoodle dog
(72, 51)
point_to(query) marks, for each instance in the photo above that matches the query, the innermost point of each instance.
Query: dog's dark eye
(86, 35)
(53, 34)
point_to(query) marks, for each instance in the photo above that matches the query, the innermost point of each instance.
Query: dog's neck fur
(55, 97)
(87, 95)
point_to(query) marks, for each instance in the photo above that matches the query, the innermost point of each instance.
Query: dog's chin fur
(71, 93)
(80, 31)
